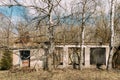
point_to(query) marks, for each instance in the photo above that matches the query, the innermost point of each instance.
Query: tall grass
(87, 74)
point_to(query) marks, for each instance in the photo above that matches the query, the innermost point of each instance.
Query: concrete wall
(37, 55)
(35, 58)
(87, 53)
(16, 58)
(87, 56)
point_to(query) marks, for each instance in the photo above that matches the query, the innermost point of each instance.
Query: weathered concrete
(87, 57)
(65, 57)
(36, 56)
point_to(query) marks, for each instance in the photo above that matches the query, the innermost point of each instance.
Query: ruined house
(31, 53)
(34, 56)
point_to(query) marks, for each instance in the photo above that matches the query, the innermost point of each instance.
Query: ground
(67, 74)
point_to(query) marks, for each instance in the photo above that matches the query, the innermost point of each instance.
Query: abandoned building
(31, 53)
(93, 54)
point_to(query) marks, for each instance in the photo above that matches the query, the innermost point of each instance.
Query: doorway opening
(97, 56)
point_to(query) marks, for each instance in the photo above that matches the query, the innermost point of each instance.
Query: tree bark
(112, 46)
(51, 35)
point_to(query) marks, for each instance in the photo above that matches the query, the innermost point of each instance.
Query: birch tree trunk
(51, 35)
(85, 10)
(82, 42)
(112, 46)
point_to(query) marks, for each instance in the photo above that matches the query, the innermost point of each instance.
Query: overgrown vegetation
(6, 61)
(89, 15)
(67, 74)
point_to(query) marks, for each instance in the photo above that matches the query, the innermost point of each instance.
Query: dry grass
(87, 74)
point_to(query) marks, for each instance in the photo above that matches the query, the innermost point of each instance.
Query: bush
(6, 61)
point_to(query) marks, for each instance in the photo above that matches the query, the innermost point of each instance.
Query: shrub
(6, 61)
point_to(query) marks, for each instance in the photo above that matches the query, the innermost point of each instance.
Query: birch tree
(82, 11)
(112, 42)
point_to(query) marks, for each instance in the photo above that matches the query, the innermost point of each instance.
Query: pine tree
(6, 61)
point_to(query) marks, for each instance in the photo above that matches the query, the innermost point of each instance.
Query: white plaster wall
(107, 54)
(36, 59)
(87, 57)
(65, 56)
(37, 56)
(16, 58)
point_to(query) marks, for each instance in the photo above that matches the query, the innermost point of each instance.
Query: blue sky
(17, 12)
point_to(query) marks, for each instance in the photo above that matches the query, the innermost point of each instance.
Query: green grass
(87, 74)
